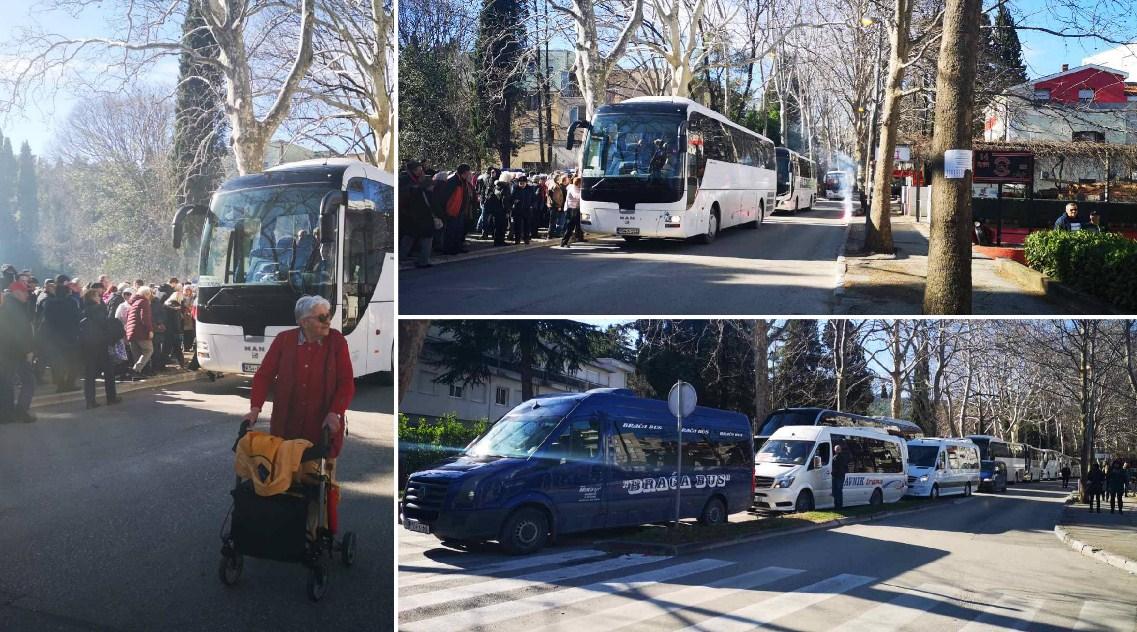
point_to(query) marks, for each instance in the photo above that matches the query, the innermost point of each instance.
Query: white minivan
(942, 467)
(794, 471)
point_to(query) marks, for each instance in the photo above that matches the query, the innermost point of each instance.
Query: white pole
(679, 453)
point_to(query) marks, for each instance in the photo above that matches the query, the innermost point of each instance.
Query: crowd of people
(438, 209)
(1113, 481)
(69, 329)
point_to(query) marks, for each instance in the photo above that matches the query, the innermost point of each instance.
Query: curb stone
(1119, 561)
(631, 546)
(489, 251)
(53, 399)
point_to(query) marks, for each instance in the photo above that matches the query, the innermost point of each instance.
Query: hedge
(425, 442)
(1103, 265)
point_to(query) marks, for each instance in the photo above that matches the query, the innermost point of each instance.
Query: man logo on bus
(667, 483)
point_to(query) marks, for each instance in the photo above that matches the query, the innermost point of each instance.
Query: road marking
(1100, 616)
(553, 576)
(905, 608)
(763, 612)
(1008, 613)
(493, 613)
(624, 613)
(417, 578)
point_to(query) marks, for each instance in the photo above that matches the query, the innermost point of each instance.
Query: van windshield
(922, 455)
(522, 430)
(785, 451)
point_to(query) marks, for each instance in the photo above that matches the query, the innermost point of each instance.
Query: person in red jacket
(309, 372)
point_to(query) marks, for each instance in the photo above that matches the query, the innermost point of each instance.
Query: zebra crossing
(580, 590)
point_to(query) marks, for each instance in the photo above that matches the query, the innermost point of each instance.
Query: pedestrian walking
(1065, 476)
(415, 215)
(97, 332)
(1095, 484)
(1115, 482)
(840, 469)
(308, 369)
(16, 347)
(61, 334)
(557, 205)
(140, 330)
(496, 208)
(572, 212)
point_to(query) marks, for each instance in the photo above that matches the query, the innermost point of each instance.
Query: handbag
(117, 352)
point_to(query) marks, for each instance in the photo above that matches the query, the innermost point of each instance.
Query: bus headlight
(924, 479)
(784, 482)
(202, 349)
(674, 219)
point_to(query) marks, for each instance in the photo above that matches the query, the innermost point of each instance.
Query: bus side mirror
(180, 217)
(571, 142)
(329, 208)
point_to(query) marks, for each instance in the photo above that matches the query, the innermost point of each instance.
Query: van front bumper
(471, 524)
(919, 489)
(775, 498)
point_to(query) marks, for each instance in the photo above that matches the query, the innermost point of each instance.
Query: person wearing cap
(16, 355)
(60, 335)
(1095, 225)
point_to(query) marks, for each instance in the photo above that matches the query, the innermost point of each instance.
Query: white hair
(145, 291)
(307, 304)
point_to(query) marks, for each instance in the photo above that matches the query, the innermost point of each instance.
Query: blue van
(562, 463)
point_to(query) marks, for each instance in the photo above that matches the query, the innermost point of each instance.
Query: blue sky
(1044, 54)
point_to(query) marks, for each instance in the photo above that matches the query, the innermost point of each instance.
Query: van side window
(643, 446)
(953, 458)
(823, 452)
(579, 442)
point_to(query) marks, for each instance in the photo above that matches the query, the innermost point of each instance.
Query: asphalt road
(109, 520)
(786, 266)
(990, 562)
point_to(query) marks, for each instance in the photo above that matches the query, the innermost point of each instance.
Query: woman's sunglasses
(324, 318)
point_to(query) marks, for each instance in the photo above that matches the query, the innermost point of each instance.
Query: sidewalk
(477, 248)
(46, 395)
(894, 284)
(1110, 538)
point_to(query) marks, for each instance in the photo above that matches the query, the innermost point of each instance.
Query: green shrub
(1099, 264)
(426, 442)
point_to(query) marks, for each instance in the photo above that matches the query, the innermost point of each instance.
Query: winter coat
(415, 215)
(1116, 479)
(524, 202)
(61, 318)
(1095, 481)
(93, 331)
(15, 330)
(139, 322)
(113, 302)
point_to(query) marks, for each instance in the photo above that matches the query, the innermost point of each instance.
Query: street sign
(681, 400)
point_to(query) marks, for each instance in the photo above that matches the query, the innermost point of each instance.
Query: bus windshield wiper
(597, 183)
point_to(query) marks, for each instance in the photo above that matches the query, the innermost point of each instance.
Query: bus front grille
(763, 481)
(423, 499)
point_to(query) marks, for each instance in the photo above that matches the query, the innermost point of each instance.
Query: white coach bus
(1013, 455)
(316, 227)
(667, 167)
(797, 181)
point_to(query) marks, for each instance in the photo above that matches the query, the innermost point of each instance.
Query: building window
(424, 383)
(1089, 136)
(501, 396)
(1042, 94)
(1085, 95)
(574, 114)
(456, 391)
(534, 101)
(529, 135)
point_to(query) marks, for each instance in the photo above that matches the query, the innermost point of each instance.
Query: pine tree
(1008, 50)
(500, 47)
(27, 204)
(799, 378)
(7, 203)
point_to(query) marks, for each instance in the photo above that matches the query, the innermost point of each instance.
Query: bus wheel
(524, 531)
(714, 512)
(935, 495)
(712, 228)
(804, 501)
(877, 498)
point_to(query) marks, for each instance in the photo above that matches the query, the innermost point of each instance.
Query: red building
(1084, 84)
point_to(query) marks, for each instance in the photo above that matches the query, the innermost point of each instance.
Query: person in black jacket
(495, 209)
(15, 355)
(840, 469)
(1065, 476)
(94, 338)
(1095, 483)
(1115, 483)
(61, 334)
(521, 208)
(416, 219)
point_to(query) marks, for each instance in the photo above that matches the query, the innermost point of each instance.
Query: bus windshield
(522, 430)
(793, 451)
(270, 236)
(637, 155)
(984, 445)
(787, 418)
(922, 455)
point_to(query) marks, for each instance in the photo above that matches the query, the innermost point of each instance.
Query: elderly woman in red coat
(308, 369)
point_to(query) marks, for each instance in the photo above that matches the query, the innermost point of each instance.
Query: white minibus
(794, 471)
(942, 467)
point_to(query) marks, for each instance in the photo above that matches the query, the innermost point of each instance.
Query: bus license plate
(627, 231)
(414, 525)
(249, 368)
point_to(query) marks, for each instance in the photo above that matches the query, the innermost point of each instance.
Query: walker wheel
(347, 549)
(317, 582)
(230, 568)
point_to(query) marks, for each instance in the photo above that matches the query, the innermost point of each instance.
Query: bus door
(820, 475)
(577, 473)
(367, 235)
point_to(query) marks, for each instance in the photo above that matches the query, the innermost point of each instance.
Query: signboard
(1004, 167)
(956, 163)
(903, 153)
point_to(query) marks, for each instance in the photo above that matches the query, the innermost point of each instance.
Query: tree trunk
(761, 372)
(412, 334)
(948, 288)
(840, 385)
(1086, 332)
(526, 346)
(878, 233)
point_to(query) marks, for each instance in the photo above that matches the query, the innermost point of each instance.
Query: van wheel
(935, 495)
(525, 531)
(714, 512)
(877, 498)
(712, 228)
(804, 501)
